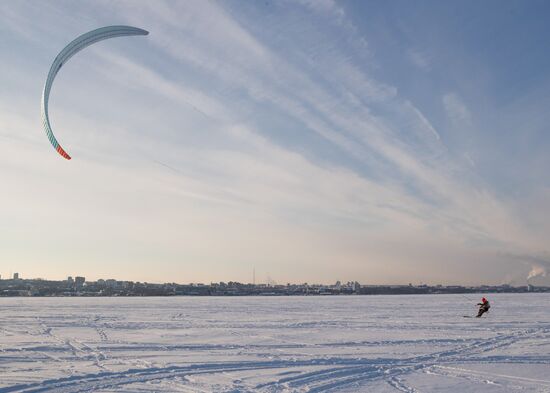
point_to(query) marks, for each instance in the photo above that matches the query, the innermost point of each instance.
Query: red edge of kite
(63, 153)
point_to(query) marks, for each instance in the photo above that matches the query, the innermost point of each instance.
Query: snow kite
(69, 51)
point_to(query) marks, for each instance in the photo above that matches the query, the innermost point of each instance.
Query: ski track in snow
(316, 344)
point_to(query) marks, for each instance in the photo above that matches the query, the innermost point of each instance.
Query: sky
(310, 141)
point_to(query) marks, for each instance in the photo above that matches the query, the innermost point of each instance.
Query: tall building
(111, 283)
(16, 276)
(79, 281)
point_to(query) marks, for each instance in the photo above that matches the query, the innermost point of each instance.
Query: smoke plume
(536, 271)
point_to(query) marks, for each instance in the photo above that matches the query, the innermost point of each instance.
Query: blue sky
(384, 142)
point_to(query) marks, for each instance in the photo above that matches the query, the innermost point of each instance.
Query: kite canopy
(70, 50)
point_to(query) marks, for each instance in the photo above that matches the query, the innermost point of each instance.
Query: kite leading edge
(70, 50)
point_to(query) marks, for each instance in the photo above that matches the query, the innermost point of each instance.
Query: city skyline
(384, 142)
(80, 286)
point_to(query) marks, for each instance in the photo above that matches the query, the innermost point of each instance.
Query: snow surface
(275, 344)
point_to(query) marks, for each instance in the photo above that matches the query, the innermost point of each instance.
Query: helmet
(483, 300)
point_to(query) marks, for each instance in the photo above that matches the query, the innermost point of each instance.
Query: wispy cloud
(456, 110)
(419, 59)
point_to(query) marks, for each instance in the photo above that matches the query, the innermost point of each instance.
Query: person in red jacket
(484, 306)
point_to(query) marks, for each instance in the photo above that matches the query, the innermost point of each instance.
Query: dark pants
(482, 310)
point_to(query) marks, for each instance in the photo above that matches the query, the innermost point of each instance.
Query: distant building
(16, 276)
(79, 281)
(111, 283)
(70, 280)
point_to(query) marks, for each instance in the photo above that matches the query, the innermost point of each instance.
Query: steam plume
(536, 271)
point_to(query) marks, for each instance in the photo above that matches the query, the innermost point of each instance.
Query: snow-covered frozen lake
(283, 344)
